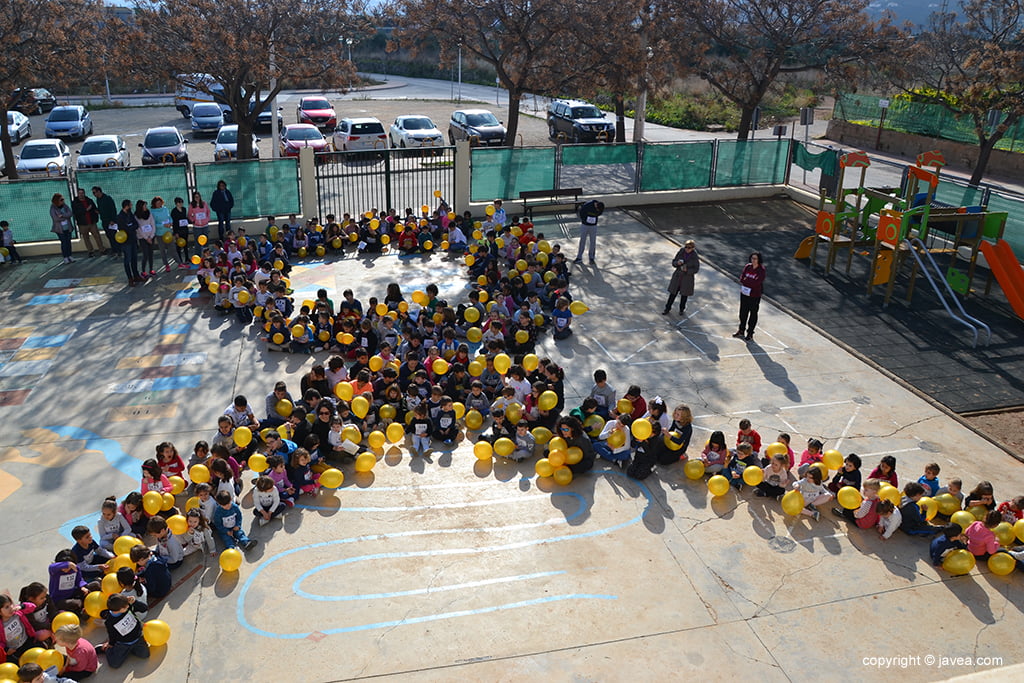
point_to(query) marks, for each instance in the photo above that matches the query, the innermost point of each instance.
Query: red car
(295, 136)
(318, 112)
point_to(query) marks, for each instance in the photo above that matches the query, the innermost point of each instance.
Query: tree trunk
(246, 124)
(746, 116)
(515, 95)
(984, 154)
(620, 118)
(10, 165)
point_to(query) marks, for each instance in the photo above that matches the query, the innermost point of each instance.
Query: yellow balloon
(230, 560)
(557, 458)
(284, 407)
(777, 448)
(302, 252)
(793, 502)
(351, 433)
(593, 425)
(360, 406)
(522, 336)
(833, 459)
(199, 474)
(376, 439)
(979, 511)
(573, 455)
(530, 362)
(320, 251)
(547, 400)
(823, 469)
(471, 314)
(483, 450)
(470, 259)
(8, 672)
(562, 476)
(891, 494)
(124, 544)
(849, 497)
(177, 484)
(959, 562)
(578, 308)
(167, 238)
(121, 236)
(483, 292)
(948, 503)
(544, 246)
(693, 469)
(753, 475)
(119, 562)
(1018, 530)
(278, 338)
(48, 658)
(278, 264)
(419, 297)
(109, 585)
(343, 390)
(395, 432)
(30, 656)
(1002, 564)
(504, 447)
(673, 440)
(177, 524)
(244, 297)
(365, 462)
(152, 501)
(521, 265)
(258, 463)
(192, 503)
(514, 413)
(718, 485)
(624, 406)
(242, 437)
(642, 429)
(376, 363)
(474, 420)
(196, 260)
(64, 619)
(332, 478)
(95, 602)
(963, 518)
(502, 363)
(440, 366)
(929, 507)
(474, 334)
(557, 443)
(542, 435)
(202, 240)
(460, 410)
(543, 468)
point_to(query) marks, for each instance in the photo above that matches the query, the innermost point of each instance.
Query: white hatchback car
(103, 150)
(359, 135)
(415, 131)
(46, 157)
(226, 144)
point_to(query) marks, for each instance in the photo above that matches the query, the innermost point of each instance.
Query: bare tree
(750, 43)
(972, 63)
(49, 39)
(524, 40)
(251, 48)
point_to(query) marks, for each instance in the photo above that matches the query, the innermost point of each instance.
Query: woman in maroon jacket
(751, 284)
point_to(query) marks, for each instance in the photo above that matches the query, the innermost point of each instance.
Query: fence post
(463, 170)
(387, 177)
(714, 163)
(307, 183)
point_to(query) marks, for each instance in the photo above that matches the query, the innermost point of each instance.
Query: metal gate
(354, 182)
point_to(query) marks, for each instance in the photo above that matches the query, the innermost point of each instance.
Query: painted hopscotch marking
(156, 384)
(142, 412)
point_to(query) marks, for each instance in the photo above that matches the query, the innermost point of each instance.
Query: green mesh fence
(956, 194)
(676, 166)
(919, 118)
(593, 155)
(507, 172)
(809, 158)
(260, 188)
(25, 204)
(1014, 233)
(751, 162)
(141, 182)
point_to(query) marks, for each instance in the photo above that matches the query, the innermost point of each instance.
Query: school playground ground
(458, 570)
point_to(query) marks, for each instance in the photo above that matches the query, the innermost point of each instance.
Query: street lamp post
(348, 44)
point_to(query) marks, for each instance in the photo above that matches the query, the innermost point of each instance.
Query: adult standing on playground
(751, 286)
(130, 249)
(60, 214)
(87, 216)
(222, 202)
(108, 217)
(686, 263)
(199, 217)
(588, 213)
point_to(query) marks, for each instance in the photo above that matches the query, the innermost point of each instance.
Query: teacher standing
(751, 286)
(60, 215)
(686, 263)
(589, 212)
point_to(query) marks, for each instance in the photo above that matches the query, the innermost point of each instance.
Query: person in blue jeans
(222, 202)
(127, 222)
(227, 521)
(124, 631)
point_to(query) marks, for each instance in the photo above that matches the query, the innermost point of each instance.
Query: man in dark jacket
(588, 213)
(222, 202)
(86, 217)
(108, 217)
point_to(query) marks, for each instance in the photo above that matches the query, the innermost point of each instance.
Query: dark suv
(32, 100)
(579, 122)
(479, 126)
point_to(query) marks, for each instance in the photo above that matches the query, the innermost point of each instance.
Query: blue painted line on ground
(179, 382)
(176, 329)
(419, 591)
(186, 294)
(46, 342)
(47, 299)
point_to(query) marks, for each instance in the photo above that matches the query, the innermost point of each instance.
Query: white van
(188, 92)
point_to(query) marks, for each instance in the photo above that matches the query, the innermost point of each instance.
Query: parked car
(103, 150)
(33, 100)
(207, 118)
(266, 117)
(164, 145)
(317, 111)
(19, 126)
(359, 135)
(69, 121)
(579, 122)
(414, 131)
(479, 126)
(226, 144)
(295, 136)
(46, 157)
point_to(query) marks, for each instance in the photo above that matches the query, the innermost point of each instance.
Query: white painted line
(606, 352)
(639, 350)
(846, 430)
(815, 405)
(902, 450)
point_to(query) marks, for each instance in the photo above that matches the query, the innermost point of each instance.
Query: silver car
(46, 157)
(207, 118)
(103, 150)
(19, 126)
(361, 135)
(226, 144)
(415, 131)
(70, 121)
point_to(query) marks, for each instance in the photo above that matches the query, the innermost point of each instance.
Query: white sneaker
(263, 521)
(67, 260)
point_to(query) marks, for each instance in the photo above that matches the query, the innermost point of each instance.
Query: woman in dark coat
(686, 263)
(570, 429)
(751, 287)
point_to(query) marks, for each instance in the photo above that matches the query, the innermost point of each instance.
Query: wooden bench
(535, 198)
